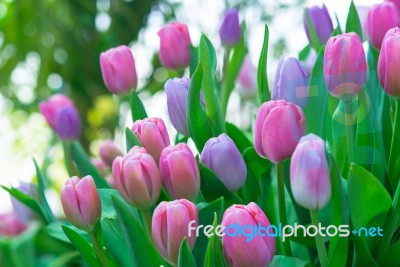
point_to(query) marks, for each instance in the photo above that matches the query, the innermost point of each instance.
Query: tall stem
(98, 249)
(395, 144)
(146, 217)
(348, 118)
(323, 257)
(225, 91)
(68, 158)
(282, 204)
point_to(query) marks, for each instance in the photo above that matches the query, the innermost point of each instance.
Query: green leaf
(353, 21)
(194, 59)
(212, 188)
(206, 217)
(82, 245)
(28, 201)
(303, 54)
(64, 259)
(42, 197)
(264, 94)
(142, 253)
(391, 256)
(24, 244)
(85, 166)
(280, 260)
(208, 61)
(255, 163)
(362, 256)
(394, 154)
(185, 257)
(214, 256)
(197, 119)
(232, 69)
(238, 137)
(137, 109)
(131, 139)
(339, 135)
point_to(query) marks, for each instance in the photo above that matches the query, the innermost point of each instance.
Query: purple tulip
(118, 69)
(137, 178)
(309, 173)
(177, 97)
(109, 151)
(24, 213)
(381, 18)
(174, 46)
(10, 225)
(179, 172)
(221, 155)
(240, 251)
(68, 126)
(321, 22)
(389, 63)
(153, 135)
(247, 79)
(279, 127)
(52, 106)
(345, 66)
(230, 31)
(81, 202)
(170, 226)
(291, 82)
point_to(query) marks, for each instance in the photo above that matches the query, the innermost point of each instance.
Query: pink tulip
(10, 225)
(118, 69)
(239, 250)
(100, 165)
(381, 18)
(247, 79)
(345, 66)
(81, 202)
(279, 126)
(170, 226)
(136, 177)
(179, 172)
(309, 173)
(153, 135)
(52, 106)
(174, 46)
(389, 63)
(396, 2)
(109, 151)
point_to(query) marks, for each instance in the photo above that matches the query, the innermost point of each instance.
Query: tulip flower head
(389, 63)
(174, 46)
(221, 155)
(247, 79)
(320, 20)
(279, 126)
(118, 69)
(345, 66)
(309, 173)
(239, 251)
(11, 225)
(170, 226)
(81, 202)
(230, 31)
(109, 151)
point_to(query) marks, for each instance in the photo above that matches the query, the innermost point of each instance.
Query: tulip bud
(68, 126)
(109, 151)
(345, 67)
(381, 18)
(388, 69)
(221, 155)
(239, 249)
(396, 2)
(81, 202)
(291, 82)
(22, 212)
(10, 225)
(247, 79)
(174, 46)
(100, 165)
(179, 172)
(153, 135)
(321, 21)
(52, 106)
(118, 69)
(136, 177)
(309, 173)
(170, 226)
(230, 31)
(177, 95)
(279, 127)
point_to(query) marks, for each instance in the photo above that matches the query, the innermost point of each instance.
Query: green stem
(98, 249)
(323, 257)
(68, 158)
(348, 118)
(395, 144)
(225, 94)
(282, 205)
(146, 217)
